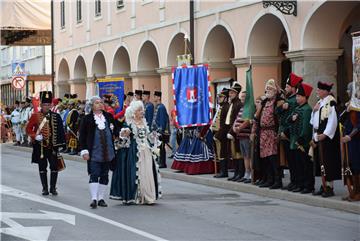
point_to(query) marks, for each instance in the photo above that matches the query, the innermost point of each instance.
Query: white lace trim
(100, 121)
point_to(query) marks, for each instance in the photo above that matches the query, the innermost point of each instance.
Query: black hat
(28, 100)
(138, 92)
(17, 102)
(146, 92)
(67, 96)
(157, 93)
(74, 96)
(236, 87)
(130, 93)
(224, 92)
(46, 97)
(325, 86)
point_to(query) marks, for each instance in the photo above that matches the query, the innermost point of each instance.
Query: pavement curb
(240, 187)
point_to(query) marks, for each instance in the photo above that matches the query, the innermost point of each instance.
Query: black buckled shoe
(102, 203)
(318, 193)
(45, 192)
(276, 185)
(306, 191)
(298, 189)
(93, 204)
(266, 184)
(328, 193)
(241, 179)
(53, 191)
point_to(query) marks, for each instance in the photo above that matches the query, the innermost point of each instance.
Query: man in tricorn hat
(326, 139)
(160, 124)
(47, 133)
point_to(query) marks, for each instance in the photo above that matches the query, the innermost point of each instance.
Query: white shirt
(332, 123)
(15, 116)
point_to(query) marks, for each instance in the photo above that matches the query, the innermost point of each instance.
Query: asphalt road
(186, 212)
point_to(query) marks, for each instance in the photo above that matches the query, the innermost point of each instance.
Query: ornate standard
(286, 7)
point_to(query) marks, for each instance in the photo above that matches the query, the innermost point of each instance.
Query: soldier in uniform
(161, 125)
(326, 139)
(284, 110)
(234, 108)
(149, 108)
(47, 133)
(138, 94)
(218, 129)
(300, 137)
(72, 124)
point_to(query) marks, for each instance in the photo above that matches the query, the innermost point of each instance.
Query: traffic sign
(18, 82)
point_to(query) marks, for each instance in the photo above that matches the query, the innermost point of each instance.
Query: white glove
(39, 137)
(229, 136)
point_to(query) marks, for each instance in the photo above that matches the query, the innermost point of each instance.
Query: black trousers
(162, 155)
(291, 157)
(49, 157)
(304, 170)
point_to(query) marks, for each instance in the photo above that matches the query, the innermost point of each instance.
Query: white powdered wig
(93, 99)
(130, 111)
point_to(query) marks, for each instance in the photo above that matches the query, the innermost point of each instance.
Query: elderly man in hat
(97, 132)
(283, 111)
(161, 124)
(47, 133)
(234, 145)
(268, 130)
(300, 137)
(149, 107)
(220, 131)
(326, 139)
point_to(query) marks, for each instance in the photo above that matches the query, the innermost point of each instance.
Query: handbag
(60, 163)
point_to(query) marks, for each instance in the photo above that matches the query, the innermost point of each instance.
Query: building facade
(139, 40)
(37, 60)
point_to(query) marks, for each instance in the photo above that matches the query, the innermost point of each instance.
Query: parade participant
(47, 133)
(268, 127)
(284, 110)
(26, 114)
(108, 104)
(160, 124)
(234, 108)
(97, 130)
(326, 138)
(220, 135)
(242, 129)
(23, 121)
(149, 108)
(56, 103)
(351, 150)
(300, 136)
(72, 126)
(136, 176)
(138, 95)
(15, 120)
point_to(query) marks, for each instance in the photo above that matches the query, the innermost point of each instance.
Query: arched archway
(147, 64)
(121, 66)
(266, 46)
(218, 51)
(78, 84)
(333, 44)
(63, 78)
(98, 66)
(176, 47)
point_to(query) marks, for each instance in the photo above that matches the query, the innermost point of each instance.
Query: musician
(351, 138)
(47, 133)
(326, 139)
(161, 125)
(300, 136)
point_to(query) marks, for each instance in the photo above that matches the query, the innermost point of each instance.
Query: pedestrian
(47, 134)
(97, 133)
(15, 121)
(136, 177)
(326, 139)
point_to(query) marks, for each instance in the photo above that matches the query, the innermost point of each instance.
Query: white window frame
(97, 8)
(78, 11)
(62, 14)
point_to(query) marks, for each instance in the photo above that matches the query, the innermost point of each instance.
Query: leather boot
(277, 175)
(53, 180)
(237, 171)
(44, 183)
(223, 169)
(356, 188)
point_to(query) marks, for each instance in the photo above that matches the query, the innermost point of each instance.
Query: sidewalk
(208, 180)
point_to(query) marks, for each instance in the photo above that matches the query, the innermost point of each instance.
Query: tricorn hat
(45, 96)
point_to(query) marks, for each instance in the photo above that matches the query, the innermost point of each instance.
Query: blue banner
(115, 88)
(192, 96)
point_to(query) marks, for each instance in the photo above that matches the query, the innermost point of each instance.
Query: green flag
(249, 106)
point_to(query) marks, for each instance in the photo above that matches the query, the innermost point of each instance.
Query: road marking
(35, 198)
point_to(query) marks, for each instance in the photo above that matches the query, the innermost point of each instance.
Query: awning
(25, 22)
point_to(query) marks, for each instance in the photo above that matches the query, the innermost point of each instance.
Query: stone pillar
(166, 87)
(90, 88)
(316, 65)
(263, 68)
